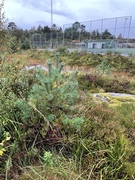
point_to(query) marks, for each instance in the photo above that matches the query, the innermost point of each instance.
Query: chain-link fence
(45, 41)
(112, 34)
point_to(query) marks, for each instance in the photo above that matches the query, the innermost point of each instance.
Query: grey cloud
(122, 6)
(59, 7)
(41, 23)
(66, 11)
(115, 5)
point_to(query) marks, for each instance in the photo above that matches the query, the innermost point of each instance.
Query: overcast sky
(29, 13)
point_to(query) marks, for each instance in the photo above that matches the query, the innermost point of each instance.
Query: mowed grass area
(52, 128)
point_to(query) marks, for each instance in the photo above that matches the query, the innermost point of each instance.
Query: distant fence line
(72, 40)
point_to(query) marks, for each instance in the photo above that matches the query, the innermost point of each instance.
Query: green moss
(114, 100)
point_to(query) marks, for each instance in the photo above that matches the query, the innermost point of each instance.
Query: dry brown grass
(26, 59)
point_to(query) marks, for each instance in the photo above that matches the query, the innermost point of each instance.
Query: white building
(101, 44)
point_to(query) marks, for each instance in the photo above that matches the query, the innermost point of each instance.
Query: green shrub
(104, 68)
(26, 44)
(114, 62)
(73, 125)
(94, 82)
(62, 49)
(40, 55)
(14, 45)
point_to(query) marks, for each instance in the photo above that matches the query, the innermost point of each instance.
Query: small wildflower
(55, 85)
(8, 138)
(2, 151)
(2, 143)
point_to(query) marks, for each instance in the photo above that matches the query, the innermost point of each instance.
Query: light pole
(51, 13)
(51, 22)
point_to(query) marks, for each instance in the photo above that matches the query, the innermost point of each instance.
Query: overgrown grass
(47, 131)
(61, 168)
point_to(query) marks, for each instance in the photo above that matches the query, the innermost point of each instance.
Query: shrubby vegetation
(52, 128)
(47, 120)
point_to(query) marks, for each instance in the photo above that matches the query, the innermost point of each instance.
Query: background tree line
(78, 29)
(21, 37)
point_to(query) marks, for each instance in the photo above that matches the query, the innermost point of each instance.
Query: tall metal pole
(51, 13)
(51, 23)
